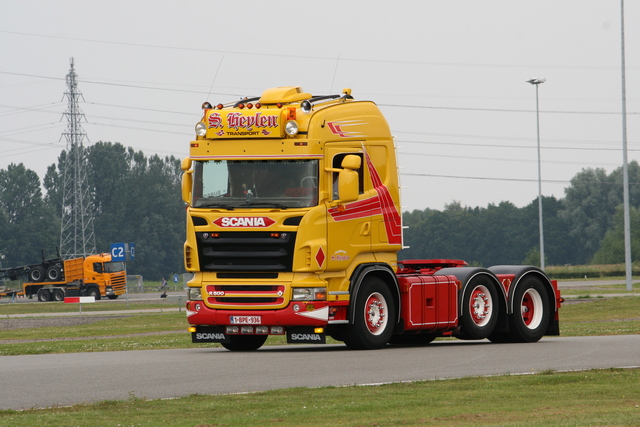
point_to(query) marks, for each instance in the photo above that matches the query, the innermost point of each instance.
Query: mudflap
(305, 335)
(206, 334)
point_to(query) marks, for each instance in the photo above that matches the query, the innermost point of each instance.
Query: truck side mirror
(187, 180)
(348, 179)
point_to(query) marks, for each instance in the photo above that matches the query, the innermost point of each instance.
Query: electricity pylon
(76, 232)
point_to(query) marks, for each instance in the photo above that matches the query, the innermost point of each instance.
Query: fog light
(262, 330)
(296, 307)
(277, 330)
(232, 330)
(246, 330)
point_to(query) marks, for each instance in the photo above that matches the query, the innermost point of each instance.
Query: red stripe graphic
(380, 204)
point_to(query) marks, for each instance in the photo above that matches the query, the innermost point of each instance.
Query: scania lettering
(300, 337)
(244, 222)
(294, 227)
(205, 336)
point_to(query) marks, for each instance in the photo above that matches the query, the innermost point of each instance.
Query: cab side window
(337, 164)
(97, 267)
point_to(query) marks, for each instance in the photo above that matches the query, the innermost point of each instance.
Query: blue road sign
(118, 252)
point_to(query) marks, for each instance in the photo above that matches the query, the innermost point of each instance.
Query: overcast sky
(450, 76)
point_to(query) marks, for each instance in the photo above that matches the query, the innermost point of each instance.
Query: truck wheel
(479, 309)
(531, 311)
(54, 274)
(94, 292)
(374, 314)
(36, 274)
(44, 295)
(244, 342)
(58, 295)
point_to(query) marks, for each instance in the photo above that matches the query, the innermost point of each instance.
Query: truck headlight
(194, 294)
(309, 294)
(291, 128)
(201, 129)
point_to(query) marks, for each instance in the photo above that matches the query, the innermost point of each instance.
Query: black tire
(374, 316)
(37, 274)
(112, 296)
(479, 308)
(244, 342)
(412, 339)
(44, 295)
(58, 295)
(93, 291)
(54, 274)
(531, 311)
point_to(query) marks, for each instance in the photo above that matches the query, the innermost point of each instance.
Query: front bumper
(303, 313)
(303, 322)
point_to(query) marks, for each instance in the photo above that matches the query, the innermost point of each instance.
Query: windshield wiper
(254, 204)
(216, 205)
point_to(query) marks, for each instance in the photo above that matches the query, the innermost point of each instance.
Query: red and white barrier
(79, 299)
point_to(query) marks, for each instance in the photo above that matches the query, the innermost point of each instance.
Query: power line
(500, 110)
(463, 144)
(424, 107)
(551, 181)
(510, 160)
(322, 58)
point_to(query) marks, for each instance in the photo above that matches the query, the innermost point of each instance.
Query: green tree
(497, 234)
(136, 199)
(612, 246)
(590, 203)
(29, 226)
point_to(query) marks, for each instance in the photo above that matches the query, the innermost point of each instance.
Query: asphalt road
(34, 381)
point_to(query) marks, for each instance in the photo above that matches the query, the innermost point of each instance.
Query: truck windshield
(113, 267)
(246, 184)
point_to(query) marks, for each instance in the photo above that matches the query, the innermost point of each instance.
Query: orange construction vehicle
(54, 279)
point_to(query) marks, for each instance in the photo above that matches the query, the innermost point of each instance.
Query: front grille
(119, 281)
(246, 251)
(245, 294)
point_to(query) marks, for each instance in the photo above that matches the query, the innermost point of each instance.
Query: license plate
(245, 320)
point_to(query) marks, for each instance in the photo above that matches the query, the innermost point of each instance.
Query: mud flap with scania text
(206, 334)
(305, 335)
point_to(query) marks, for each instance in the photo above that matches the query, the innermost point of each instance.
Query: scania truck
(294, 225)
(54, 279)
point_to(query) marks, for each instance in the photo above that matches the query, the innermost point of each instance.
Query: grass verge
(598, 316)
(599, 397)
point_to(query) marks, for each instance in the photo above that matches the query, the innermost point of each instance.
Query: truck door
(348, 224)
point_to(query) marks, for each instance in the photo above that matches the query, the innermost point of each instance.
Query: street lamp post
(536, 83)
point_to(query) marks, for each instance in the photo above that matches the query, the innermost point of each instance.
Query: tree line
(586, 226)
(136, 198)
